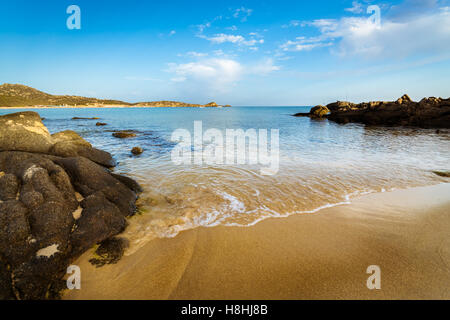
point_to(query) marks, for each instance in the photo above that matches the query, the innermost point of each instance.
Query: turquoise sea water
(321, 164)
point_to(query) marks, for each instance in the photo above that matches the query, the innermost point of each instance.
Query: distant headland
(21, 96)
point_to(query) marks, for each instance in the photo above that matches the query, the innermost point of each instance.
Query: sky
(243, 53)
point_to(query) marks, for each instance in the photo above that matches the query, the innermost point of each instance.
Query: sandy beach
(311, 256)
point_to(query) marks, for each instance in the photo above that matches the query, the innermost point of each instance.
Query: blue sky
(233, 52)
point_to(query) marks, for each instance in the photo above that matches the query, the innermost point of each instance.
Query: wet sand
(311, 256)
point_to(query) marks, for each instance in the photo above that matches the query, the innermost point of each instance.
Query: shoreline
(104, 107)
(323, 255)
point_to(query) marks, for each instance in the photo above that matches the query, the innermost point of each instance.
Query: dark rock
(81, 118)
(109, 252)
(100, 220)
(302, 114)
(445, 174)
(130, 183)
(9, 186)
(70, 144)
(89, 178)
(43, 227)
(123, 134)
(428, 113)
(6, 292)
(137, 151)
(99, 124)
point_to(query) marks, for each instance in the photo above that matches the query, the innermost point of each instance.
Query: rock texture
(124, 134)
(137, 151)
(317, 112)
(53, 207)
(428, 113)
(24, 131)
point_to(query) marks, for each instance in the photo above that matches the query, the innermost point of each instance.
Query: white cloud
(221, 38)
(356, 8)
(171, 33)
(263, 67)
(304, 44)
(242, 13)
(236, 39)
(196, 54)
(427, 33)
(218, 74)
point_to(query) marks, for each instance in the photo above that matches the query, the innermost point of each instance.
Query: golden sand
(311, 256)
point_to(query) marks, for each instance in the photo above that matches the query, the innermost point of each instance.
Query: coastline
(323, 255)
(97, 107)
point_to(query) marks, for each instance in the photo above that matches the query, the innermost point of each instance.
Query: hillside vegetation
(17, 95)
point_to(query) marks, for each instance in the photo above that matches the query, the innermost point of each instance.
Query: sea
(319, 163)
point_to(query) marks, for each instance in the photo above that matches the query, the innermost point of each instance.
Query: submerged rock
(81, 118)
(445, 174)
(124, 134)
(137, 151)
(52, 209)
(100, 124)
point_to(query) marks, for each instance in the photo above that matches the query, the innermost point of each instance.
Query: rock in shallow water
(124, 134)
(24, 131)
(137, 151)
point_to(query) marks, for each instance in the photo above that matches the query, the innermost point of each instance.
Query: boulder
(319, 111)
(340, 106)
(55, 203)
(100, 124)
(70, 144)
(123, 134)
(24, 131)
(137, 151)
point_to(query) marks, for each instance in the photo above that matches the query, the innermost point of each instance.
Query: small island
(21, 96)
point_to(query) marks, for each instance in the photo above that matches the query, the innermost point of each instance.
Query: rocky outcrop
(317, 112)
(24, 131)
(53, 207)
(428, 113)
(69, 144)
